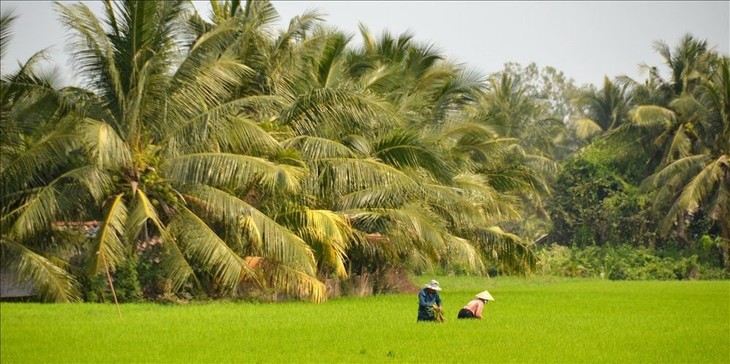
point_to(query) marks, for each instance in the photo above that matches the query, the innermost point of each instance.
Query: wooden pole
(114, 294)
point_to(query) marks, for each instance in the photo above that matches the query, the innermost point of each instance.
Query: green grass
(532, 321)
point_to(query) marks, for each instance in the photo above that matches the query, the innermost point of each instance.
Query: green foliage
(625, 262)
(223, 153)
(151, 274)
(126, 284)
(659, 173)
(594, 205)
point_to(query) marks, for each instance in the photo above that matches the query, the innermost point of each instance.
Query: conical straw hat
(485, 296)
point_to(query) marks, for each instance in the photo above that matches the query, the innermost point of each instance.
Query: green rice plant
(539, 320)
(437, 313)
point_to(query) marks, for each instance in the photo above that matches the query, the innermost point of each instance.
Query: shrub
(126, 284)
(624, 262)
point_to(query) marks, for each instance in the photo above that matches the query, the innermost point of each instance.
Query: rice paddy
(534, 320)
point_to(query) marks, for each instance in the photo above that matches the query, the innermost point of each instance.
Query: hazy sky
(585, 40)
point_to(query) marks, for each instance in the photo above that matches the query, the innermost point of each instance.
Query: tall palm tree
(166, 150)
(680, 126)
(32, 128)
(435, 99)
(355, 118)
(525, 165)
(696, 174)
(686, 63)
(689, 61)
(655, 126)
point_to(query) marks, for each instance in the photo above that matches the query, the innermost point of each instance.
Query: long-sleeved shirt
(475, 306)
(426, 300)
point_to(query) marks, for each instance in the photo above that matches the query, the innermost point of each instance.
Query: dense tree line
(656, 172)
(205, 155)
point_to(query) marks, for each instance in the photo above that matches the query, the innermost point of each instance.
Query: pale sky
(585, 40)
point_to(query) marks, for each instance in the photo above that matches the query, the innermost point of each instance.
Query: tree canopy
(216, 153)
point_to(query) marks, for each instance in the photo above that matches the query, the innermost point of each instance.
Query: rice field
(532, 321)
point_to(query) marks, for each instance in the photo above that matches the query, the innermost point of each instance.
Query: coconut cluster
(158, 188)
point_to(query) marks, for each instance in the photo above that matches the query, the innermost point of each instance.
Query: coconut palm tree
(680, 128)
(604, 110)
(436, 100)
(167, 151)
(32, 111)
(687, 63)
(375, 180)
(524, 166)
(327, 118)
(696, 172)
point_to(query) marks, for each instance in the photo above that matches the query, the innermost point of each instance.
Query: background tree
(32, 128)
(603, 109)
(669, 144)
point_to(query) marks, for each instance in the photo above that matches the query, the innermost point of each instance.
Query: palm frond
(295, 281)
(653, 115)
(34, 215)
(6, 21)
(202, 84)
(681, 169)
(322, 110)
(104, 146)
(49, 281)
(316, 148)
(216, 37)
(108, 250)
(680, 146)
(220, 125)
(505, 249)
(30, 166)
(406, 149)
(454, 205)
(175, 264)
(299, 27)
(94, 54)
(461, 251)
(422, 227)
(201, 244)
(494, 204)
(485, 151)
(340, 176)
(94, 181)
(226, 169)
(331, 235)
(586, 128)
(278, 243)
(329, 71)
(378, 196)
(242, 135)
(696, 192)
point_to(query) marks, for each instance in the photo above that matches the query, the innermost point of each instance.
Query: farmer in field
(429, 302)
(474, 308)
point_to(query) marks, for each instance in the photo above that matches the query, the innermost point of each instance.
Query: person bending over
(474, 308)
(429, 302)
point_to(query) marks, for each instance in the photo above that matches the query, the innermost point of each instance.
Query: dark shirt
(426, 300)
